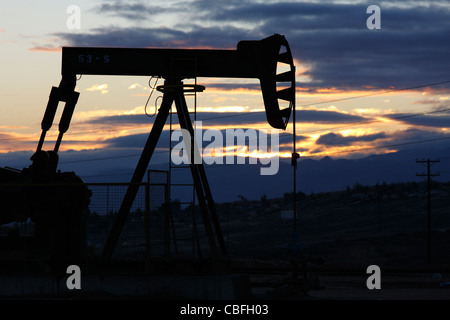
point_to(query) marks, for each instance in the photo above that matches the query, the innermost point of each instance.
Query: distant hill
(229, 181)
(384, 225)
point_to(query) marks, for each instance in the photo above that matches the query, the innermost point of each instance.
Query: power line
(380, 93)
(428, 175)
(333, 153)
(287, 135)
(377, 120)
(101, 159)
(304, 105)
(110, 158)
(284, 135)
(381, 147)
(344, 99)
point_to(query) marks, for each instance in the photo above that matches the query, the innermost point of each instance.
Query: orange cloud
(102, 88)
(16, 142)
(330, 90)
(46, 49)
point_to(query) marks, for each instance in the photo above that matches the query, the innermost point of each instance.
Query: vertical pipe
(429, 212)
(167, 206)
(295, 168)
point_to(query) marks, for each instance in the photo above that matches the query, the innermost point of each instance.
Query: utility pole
(428, 175)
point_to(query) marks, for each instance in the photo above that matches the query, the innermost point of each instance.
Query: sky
(359, 91)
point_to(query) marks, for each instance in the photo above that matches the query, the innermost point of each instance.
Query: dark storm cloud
(122, 119)
(122, 37)
(337, 139)
(436, 121)
(237, 118)
(324, 117)
(399, 140)
(302, 116)
(416, 139)
(286, 14)
(129, 11)
(135, 37)
(233, 86)
(138, 140)
(135, 141)
(411, 49)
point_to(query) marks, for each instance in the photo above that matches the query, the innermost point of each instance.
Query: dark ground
(348, 231)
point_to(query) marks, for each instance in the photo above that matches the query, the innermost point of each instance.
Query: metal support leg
(212, 209)
(198, 174)
(138, 175)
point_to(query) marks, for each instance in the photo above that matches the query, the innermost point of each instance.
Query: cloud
(138, 37)
(46, 48)
(102, 88)
(302, 116)
(129, 11)
(417, 135)
(233, 86)
(331, 38)
(236, 118)
(343, 53)
(137, 142)
(132, 141)
(328, 117)
(337, 139)
(414, 141)
(435, 121)
(10, 141)
(137, 85)
(124, 119)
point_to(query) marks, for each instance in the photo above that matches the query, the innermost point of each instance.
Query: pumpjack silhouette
(57, 201)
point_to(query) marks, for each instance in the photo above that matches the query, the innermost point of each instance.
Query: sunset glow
(351, 101)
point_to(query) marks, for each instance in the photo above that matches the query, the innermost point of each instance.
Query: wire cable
(151, 93)
(244, 114)
(310, 104)
(303, 157)
(348, 98)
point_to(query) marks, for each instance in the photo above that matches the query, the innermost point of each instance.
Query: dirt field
(393, 287)
(353, 286)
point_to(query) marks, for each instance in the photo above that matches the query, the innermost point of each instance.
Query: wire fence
(143, 233)
(156, 226)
